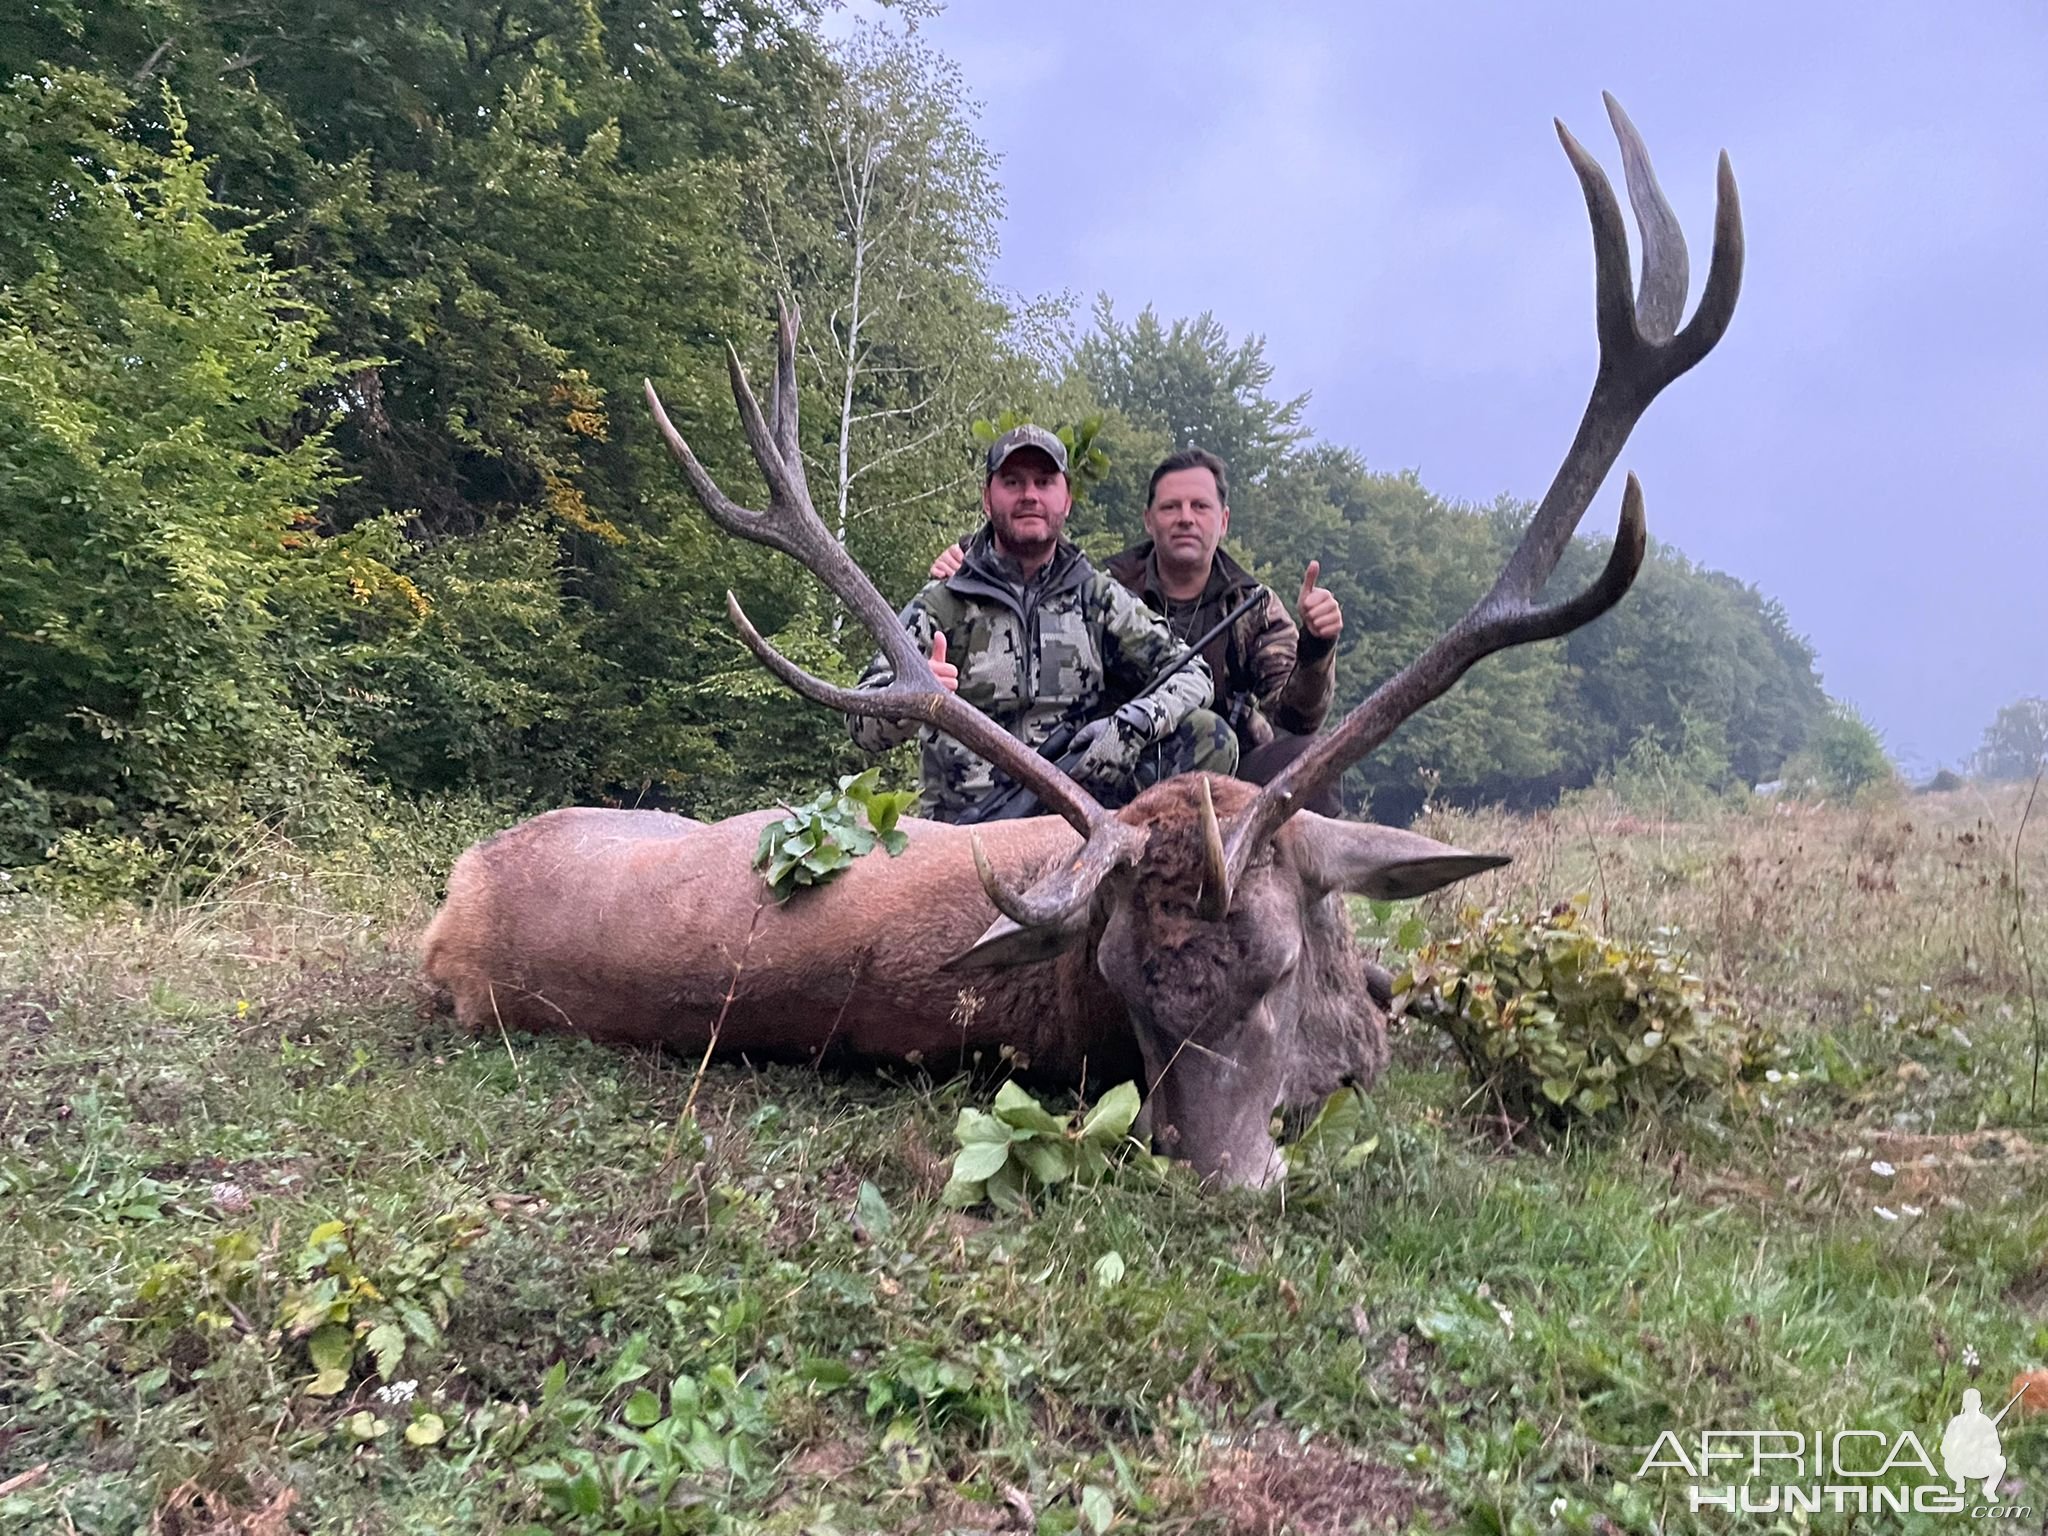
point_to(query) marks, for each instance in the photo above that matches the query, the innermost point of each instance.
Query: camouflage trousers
(1203, 743)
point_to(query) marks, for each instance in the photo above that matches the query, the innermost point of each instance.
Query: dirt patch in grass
(1270, 1484)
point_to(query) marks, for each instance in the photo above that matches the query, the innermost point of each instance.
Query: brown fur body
(634, 925)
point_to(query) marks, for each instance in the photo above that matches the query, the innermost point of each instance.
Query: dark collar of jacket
(987, 572)
(1138, 569)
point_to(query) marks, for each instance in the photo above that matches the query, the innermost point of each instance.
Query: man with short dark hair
(1031, 634)
(1274, 682)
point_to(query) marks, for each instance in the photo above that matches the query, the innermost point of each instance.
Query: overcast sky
(1377, 189)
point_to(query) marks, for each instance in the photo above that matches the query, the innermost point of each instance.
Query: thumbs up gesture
(942, 669)
(1320, 615)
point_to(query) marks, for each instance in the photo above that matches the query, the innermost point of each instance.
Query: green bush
(1562, 1028)
(1024, 1148)
(1843, 757)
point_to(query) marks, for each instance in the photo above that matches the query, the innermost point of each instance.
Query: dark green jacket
(1061, 648)
(1269, 676)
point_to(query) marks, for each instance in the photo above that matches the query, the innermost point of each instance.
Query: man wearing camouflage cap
(1033, 636)
(1273, 682)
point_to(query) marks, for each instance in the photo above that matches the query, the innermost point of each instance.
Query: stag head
(1214, 908)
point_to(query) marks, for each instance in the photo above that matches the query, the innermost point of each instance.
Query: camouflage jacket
(1062, 648)
(1269, 676)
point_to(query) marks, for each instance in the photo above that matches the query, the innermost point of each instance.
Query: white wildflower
(1970, 1356)
(1774, 1076)
(397, 1393)
(1883, 1169)
(1888, 1215)
(1558, 1506)
(1912, 1210)
(229, 1198)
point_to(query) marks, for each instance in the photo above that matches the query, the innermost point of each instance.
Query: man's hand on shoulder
(1320, 614)
(950, 561)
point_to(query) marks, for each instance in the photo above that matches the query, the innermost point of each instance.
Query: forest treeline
(324, 472)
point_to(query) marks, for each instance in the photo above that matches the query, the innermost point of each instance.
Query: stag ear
(1007, 943)
(1384, 863)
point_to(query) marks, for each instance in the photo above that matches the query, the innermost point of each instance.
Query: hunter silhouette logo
(1970, 1448)
(1861, 1471)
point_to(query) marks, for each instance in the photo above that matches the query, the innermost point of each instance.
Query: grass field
(229, 1121)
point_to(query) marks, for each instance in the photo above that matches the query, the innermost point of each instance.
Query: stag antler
(792, 525)
(1641, 351)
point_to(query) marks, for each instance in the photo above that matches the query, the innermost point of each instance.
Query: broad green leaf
(642, 1409)
(1109, 1269)
(1006, 1188)
(980, 1160)
(365, 1425)
(975, 1125)
(1357, 1156)
(885, 810)
(1015, 1107)
(1097, 1508)
(427, 1429)
(1110, 1120)
(963, 1194)
(584, 1494)
(332, 1348)
(1047, 1161)
(826, 1374)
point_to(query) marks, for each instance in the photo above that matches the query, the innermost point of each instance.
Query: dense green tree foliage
(323, 465)
(164, 596)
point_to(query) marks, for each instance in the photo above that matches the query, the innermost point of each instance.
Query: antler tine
(1063, 895)
(782, 400)
(1641, 351)
(1666, 269)
(792, 525)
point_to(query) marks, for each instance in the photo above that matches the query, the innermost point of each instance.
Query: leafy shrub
(814, 842)
(1843, 757)
(360, 1298)
(680, 1463)
(1560, 1027)
(1024, 1148)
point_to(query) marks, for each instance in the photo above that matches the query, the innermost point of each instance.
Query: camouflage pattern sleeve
(870, 732)
(1297, 674)
(1137, 646)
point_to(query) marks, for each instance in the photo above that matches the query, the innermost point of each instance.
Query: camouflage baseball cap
(1026, 436)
